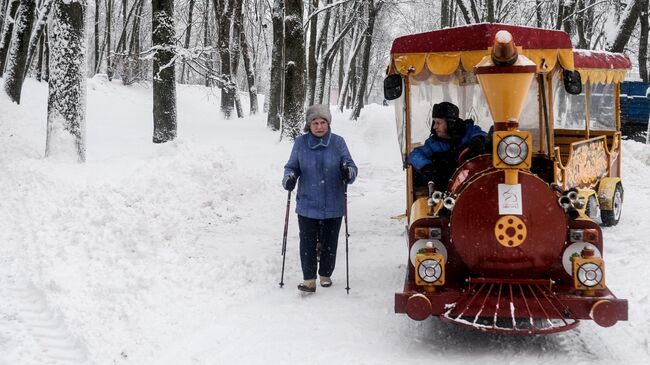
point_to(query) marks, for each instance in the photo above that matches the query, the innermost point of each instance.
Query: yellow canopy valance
(601, 76)
(445, 63)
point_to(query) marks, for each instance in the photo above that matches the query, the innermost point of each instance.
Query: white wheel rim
(616, 204)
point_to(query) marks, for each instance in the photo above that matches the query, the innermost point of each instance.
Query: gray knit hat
(317, 111)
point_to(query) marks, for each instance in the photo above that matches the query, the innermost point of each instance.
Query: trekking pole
(284, 238)
(347, 264)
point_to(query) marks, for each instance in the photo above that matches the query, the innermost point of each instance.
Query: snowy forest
(296, 53)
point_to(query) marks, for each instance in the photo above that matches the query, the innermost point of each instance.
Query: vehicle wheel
(611, 217)
(592, 210)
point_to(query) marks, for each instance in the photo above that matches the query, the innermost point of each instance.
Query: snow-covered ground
(170, 254)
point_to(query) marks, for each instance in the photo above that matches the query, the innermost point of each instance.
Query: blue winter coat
(317, 162)
(421, 156)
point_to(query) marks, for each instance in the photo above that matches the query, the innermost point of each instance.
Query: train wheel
(611, 217)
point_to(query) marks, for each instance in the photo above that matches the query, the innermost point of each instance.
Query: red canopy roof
(479, 37)
(583, 58)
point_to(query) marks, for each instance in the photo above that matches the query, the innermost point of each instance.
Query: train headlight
(430, 270)
(588, 271)
(512, 149)
(429, 267)
(589, 274)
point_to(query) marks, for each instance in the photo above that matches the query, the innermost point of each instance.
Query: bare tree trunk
(17, 59)
(188, 35)
(223, 11)
(66, 106)
(39, 63)
(489, 10)
(560, 14)
(444, 14)
(464, 12)
(96, 37)
(590, 22)
(626, 26)
(363, 81)
(276, 88)
(3, 7)
(538, 13)
(569, 11)
(7, 32)
(235, 50)
(474, 9)
(46, 51)
(36, 35)
(581, 24)
(347, 80)
(643, 41)
(325, 60)
(132, 71)
(206, 39)
(164, 80)
(311, 53)
(294, 90)
(250, 74)
(109, 33)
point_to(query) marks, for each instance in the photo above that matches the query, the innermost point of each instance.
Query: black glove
(428, 172)
(477, 145)
(289, 182)
(346, 173)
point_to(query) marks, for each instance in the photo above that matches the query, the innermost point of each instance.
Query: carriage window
(568, 110)
(462, 89)
(602, 107)
(428, 89)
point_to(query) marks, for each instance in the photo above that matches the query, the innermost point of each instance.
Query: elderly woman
(322, 166)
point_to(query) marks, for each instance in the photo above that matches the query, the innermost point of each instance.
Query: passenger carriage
(514, 243)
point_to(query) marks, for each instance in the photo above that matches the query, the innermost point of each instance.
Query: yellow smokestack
(505, 77)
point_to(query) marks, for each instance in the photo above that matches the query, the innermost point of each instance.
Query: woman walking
(322, 166)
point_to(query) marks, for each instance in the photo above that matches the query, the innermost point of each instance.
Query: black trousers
(325, 231)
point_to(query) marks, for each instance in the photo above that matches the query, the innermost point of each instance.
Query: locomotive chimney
(505, 77)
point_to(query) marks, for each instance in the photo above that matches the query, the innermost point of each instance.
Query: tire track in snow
(29, 327)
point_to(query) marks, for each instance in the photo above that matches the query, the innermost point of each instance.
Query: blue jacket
(317, 162)
(421, 156)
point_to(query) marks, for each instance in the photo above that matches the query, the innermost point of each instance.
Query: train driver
(438, 158)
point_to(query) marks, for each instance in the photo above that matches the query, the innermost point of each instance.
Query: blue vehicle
(635, 109)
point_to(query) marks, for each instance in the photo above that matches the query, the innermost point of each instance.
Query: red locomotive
(514, 243)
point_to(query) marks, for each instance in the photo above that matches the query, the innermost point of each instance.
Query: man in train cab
(451, 139)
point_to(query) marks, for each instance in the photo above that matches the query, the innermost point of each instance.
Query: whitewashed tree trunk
(66, 107)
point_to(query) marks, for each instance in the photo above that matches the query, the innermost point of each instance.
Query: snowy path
(171, 254)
